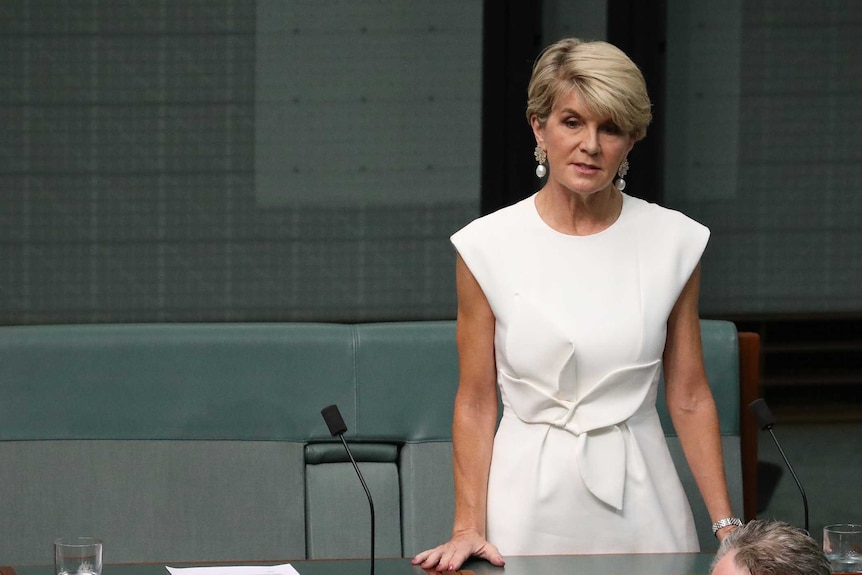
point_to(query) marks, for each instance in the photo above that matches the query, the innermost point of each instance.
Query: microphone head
(762, 414)
(333, 420)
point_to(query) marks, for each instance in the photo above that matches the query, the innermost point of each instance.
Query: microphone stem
(371, 503)
(793, 474)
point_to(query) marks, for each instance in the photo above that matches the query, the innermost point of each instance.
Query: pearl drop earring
(541, 157)
(624, 169)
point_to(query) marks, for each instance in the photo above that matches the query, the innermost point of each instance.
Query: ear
(538, 131)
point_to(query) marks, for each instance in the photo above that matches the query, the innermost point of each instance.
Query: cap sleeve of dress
(694, 238)
(479, 243)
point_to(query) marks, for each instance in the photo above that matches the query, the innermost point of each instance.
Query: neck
(579, 215)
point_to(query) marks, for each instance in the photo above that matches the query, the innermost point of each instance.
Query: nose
(590, 143)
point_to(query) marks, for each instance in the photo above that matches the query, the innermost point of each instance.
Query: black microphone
(337, 427)
(766, 422)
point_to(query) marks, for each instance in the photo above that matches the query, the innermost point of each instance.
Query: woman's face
(584, 150)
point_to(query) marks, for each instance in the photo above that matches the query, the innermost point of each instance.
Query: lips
(586, 168)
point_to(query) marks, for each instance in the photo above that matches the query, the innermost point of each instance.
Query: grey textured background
(221, 160)
(763, 121)
(131, 132)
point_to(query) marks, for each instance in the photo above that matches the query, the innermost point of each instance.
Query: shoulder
(672, 242)
(490, 245)
(496, 226)
(662, 222)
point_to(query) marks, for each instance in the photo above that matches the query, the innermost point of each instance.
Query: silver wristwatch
(726, 522)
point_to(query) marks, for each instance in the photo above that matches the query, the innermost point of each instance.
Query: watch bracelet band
(726, 522)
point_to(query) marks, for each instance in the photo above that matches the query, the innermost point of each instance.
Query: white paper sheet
(284, 569)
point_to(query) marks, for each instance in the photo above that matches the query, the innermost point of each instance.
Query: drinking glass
(78, 556)
(842, 543)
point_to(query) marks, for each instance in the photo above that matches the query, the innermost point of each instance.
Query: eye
(611, 128)
(572, 122)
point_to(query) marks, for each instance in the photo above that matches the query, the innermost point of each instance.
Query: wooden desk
(645, 564)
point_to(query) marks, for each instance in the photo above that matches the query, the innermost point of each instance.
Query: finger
(420, 557)
(497, 560)
(444, 562)
(455, 560)
(459, 553)
(491, 554)
(433, 558)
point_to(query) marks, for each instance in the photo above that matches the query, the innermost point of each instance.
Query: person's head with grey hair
(769, 548)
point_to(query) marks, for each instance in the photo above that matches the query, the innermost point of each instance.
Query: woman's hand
(452, 554)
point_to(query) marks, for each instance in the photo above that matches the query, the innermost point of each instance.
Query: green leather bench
(204, 442)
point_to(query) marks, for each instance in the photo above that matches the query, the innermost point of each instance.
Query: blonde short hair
(609, 82)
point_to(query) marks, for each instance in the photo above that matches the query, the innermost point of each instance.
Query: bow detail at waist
(596, 419)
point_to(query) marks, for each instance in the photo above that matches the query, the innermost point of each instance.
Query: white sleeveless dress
(580, 463)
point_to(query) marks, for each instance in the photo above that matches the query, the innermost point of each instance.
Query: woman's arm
(473, 427)
(691, 404)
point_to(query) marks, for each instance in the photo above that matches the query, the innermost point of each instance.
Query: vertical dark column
(512, 38)
(638, 27)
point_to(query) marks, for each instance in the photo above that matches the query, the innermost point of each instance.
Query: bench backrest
(184, 442)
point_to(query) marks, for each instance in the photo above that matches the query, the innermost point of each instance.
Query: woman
(570, 302)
